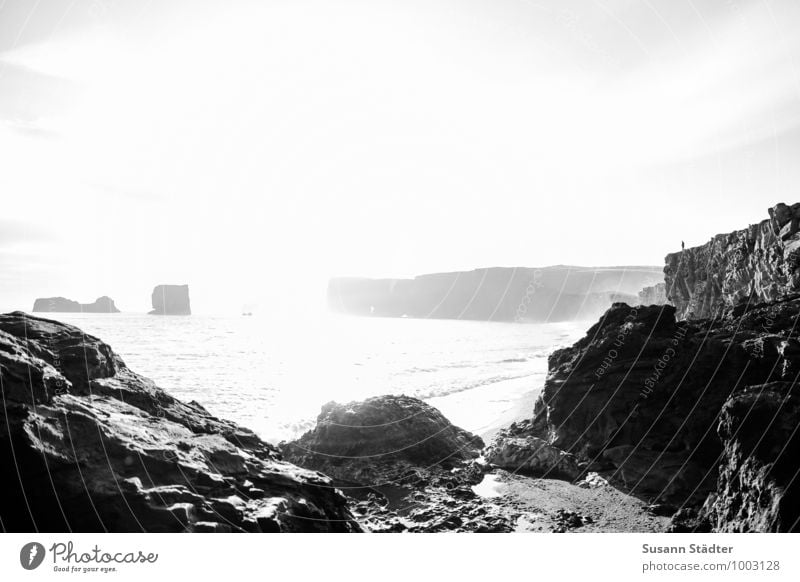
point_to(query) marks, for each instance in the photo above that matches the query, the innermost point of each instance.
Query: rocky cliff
(658, 406)
(758, 263)
(559, 293)
(87, 445)
(171, 300)
(62, 305)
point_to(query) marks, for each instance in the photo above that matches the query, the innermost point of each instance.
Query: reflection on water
(273, 374)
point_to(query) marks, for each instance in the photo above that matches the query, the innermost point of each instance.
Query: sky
(254, 149)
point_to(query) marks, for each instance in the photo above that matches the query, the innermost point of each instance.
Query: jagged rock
(171, 300)
(529, 455)
(87, 445)
(62, 305)
(759, 489)
(638, 398)
(759, 262)
(654, 295)
(437, 509)
(383, 440)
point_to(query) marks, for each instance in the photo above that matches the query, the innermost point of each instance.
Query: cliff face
(171, 300)
(660, 408)
(759, 262)
(62, 305)
(87, 445)
(549, 294)
(757, 488)
(693, 405)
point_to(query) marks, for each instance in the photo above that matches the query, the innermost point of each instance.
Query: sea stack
(171, 300)
(63, 305)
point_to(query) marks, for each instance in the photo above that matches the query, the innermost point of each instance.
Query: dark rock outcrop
(758, 263)
(640, 397)
(87, 445)
(558, 293)
(103, 304)
(654, 295)
(759, 479)
(405, 467)
(382, 441)
(171, 300)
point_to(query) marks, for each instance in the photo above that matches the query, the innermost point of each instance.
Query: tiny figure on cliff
(683, 246)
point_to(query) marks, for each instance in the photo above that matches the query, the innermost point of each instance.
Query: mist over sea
(272, 374)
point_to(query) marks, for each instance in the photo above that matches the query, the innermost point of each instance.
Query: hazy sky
(252, 149)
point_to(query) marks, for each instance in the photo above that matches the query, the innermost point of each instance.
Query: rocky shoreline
(87, 445)
(654, 421)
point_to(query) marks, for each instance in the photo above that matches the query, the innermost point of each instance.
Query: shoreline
(503, 402)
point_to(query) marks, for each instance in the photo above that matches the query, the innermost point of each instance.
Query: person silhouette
(683, 246)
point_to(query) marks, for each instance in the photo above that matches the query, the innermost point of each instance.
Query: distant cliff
(63, 305)
(558, 293)
(171, 300)
(654, 295)
(759, 262)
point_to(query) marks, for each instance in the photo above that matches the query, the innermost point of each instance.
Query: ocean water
(272, 374)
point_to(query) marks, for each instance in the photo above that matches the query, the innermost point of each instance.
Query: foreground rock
(515, 450)
(62, 305)
(383, 440)
(404, 466)
(171, 300)
(641, 397)
(87, 445)
(759, 483)
(759, 262)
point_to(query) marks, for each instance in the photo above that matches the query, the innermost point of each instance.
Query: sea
(272, 374)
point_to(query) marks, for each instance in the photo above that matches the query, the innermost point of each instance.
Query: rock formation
(171, 300)
(404, 466)
(559, 293)
(383, 440)
(88, 445)
(424, 476)
(759, 485)
(654, 295)
(759, 263)
(691, 406)
(640, 398)
(62, 305)
(515, 450)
